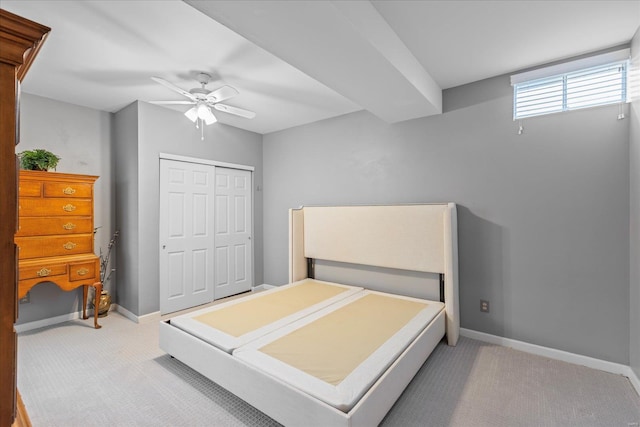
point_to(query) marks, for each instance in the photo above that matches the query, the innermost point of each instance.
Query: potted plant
(38, 160)
(104, 303)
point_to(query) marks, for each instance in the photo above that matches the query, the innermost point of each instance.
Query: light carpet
(72, 375)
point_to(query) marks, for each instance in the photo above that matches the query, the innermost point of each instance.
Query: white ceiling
(297, 62)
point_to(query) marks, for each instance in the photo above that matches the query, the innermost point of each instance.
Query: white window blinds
(589, 87)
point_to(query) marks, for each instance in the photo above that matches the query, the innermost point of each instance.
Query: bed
(234, 323)
(343, 356)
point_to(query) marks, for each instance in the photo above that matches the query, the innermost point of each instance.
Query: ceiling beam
(347, 46)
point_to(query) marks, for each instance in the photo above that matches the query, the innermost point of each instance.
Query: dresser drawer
(82, 271)
(67, 189)
(42, 270)
(43, 226)
(36, 247)
(54, 207)
(30, 189)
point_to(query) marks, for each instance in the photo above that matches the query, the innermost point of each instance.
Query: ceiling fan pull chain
(201, 133)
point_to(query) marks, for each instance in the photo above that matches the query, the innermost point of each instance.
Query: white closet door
(186, 235)
(233, 233)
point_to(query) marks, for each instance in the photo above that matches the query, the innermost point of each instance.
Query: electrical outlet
(484, 306)
(25, 299)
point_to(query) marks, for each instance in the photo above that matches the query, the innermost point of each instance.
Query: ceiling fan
(203, 100)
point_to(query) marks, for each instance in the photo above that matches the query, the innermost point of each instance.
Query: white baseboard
(551, 353)
(262, 287)
(126, 313)
(633, 378)
(151, 317)
(29, 326)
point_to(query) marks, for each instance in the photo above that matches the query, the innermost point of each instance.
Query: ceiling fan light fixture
(203, 111)
(192, 114)
(205, 114)
(210, 118)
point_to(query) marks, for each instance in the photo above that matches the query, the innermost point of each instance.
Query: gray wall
(634, 224)
(161, 130)
(125, 132)
(82, 138)
(543, 217)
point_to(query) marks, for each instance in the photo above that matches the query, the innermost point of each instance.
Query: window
(586, 87)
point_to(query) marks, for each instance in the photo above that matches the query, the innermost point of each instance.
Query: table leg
(96, 304)
(85, 288)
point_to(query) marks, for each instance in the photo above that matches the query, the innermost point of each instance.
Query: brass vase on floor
(104, 304)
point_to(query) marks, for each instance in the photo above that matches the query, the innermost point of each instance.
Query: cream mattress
(232, 324)
(337, 353)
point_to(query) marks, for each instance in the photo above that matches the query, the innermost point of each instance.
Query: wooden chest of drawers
(55, 233)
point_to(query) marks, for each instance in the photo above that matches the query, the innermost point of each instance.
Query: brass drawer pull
(69, 208)
(69, 226)
(69, 245)
(82, 272)
(69, 191)
(43, 272)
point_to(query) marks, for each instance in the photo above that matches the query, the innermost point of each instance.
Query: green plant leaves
(38, 159)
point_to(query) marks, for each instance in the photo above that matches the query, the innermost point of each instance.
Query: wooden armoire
(20, 40)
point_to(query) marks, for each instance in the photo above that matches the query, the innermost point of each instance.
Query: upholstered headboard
(418, 237)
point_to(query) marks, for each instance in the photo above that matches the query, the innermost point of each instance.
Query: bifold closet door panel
(186, 235)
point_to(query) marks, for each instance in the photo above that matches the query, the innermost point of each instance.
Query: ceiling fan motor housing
(199, 92)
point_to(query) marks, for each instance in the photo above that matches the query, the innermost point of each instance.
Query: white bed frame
(411, 237)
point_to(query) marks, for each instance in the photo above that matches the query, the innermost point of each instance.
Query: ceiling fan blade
(172, 102)
(235, 110)
(173, 87)
(220, 94)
